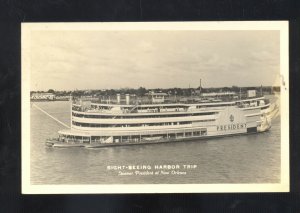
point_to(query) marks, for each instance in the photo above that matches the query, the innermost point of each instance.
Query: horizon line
(156, 88)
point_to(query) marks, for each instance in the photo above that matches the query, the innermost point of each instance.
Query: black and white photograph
(165, 107)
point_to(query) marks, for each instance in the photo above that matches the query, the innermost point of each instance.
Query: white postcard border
(283, 186)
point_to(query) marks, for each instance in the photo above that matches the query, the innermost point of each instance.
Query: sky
(69, 60)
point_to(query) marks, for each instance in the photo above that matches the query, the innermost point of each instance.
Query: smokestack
(118, 98)
(127, 99)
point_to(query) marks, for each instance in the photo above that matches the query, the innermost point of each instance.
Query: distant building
(62, 97)
(251, 93)
(157, 97)
(43, 96)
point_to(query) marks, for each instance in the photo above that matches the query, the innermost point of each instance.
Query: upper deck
(179, 105)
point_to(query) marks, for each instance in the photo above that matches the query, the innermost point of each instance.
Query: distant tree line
(141, 91)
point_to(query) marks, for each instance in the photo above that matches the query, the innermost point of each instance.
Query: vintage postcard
(157, 107)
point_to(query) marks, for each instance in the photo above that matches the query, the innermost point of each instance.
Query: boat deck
(59, 144)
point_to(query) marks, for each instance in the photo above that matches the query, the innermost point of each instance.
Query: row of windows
(132, 138)
(135, 125)
(142, 116)
(215, 105)
(168, 107)
(129, 125)
(138, 138)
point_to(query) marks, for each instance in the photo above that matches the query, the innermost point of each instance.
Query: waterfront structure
(98, 124)
(157, 97)
(42, 96)
(62, 97)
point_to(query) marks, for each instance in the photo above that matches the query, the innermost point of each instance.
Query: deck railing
(135, 103)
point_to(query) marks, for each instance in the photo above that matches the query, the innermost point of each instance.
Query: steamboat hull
(58, 144)
(108, 125)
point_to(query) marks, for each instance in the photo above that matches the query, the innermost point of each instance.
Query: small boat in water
(62, 144)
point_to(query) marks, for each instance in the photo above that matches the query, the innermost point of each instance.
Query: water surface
(239, 159)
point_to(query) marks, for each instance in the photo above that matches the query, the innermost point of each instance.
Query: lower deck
(59, 144)
(104, 141)
(69, 138)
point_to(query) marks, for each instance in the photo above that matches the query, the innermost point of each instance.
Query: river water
(239, 159)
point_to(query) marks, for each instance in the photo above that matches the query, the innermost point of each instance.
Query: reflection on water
(239, 159)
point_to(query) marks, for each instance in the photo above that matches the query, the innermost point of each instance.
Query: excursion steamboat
(158, 120)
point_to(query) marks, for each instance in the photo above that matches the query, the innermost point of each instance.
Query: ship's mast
(200, 88)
